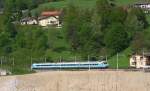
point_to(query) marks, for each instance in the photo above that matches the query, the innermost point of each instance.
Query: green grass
(61, 4)
(79, 3)
(126, 2)
(123, 59)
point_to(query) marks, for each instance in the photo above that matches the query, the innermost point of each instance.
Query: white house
(140, 61)
(29, 21)
(49, 21)
(50, 18)
(4, 72)
(47, 18)
(144, 6)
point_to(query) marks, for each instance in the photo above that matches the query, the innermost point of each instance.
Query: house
(50, 18)
(47, 18)
(140, 60)
(3, 73)
(29, 21)
(143, 5)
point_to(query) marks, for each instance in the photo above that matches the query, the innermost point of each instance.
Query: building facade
(50, 18)
(140, 61)
(29, 21)
(47, 18)
(145, 6)
(49, 21)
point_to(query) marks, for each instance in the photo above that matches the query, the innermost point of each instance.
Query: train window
(48, 65)
(66, 64)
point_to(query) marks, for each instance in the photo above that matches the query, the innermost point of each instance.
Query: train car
(71, 65)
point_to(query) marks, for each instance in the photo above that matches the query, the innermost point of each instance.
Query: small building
(3, 73)
(144, 6)
(50, 18)
(140, 60)
(29, 21)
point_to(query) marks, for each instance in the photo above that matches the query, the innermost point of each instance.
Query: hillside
(123, 56)
(108, 31)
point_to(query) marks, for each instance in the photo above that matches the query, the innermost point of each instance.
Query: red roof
(50, 13)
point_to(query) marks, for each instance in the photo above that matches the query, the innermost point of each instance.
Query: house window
(143, 6)
(53, 22)
(141, 58)
(133, 63)
(134, 58)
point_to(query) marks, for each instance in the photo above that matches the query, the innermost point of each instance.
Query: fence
(11, 64)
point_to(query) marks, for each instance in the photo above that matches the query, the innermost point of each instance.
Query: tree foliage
(107, 27)
(116, 38)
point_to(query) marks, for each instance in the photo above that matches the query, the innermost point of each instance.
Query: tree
(9, 6)
(72, 26)
(102, 6)
(135, 22)
(31, 39)
(140, 16)
(141, 41)
(116, 38)
(5, 44)
(138, 42)
(1, 4)
(118, 14)
(9, 27)
(103, 9)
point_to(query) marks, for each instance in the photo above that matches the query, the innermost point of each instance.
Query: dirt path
(77, 81)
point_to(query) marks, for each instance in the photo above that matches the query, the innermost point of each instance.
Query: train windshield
(105, 62)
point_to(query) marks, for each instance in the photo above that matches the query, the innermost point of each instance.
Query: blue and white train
(71, 65)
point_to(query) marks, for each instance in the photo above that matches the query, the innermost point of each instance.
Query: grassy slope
(79, 3)
(123, 59)
(126, 2)
(62, 4)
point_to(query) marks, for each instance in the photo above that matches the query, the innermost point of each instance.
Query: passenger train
(71, 65)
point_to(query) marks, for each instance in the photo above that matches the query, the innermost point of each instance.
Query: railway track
(127, 70)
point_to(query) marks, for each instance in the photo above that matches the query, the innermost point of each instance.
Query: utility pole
(45, 60)
(13, 61)
(143, 59)
(117, 62)
(31, 62)
(1, 62)
(89, 62)
(117, 75)
(75, 59)
(60, 62)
